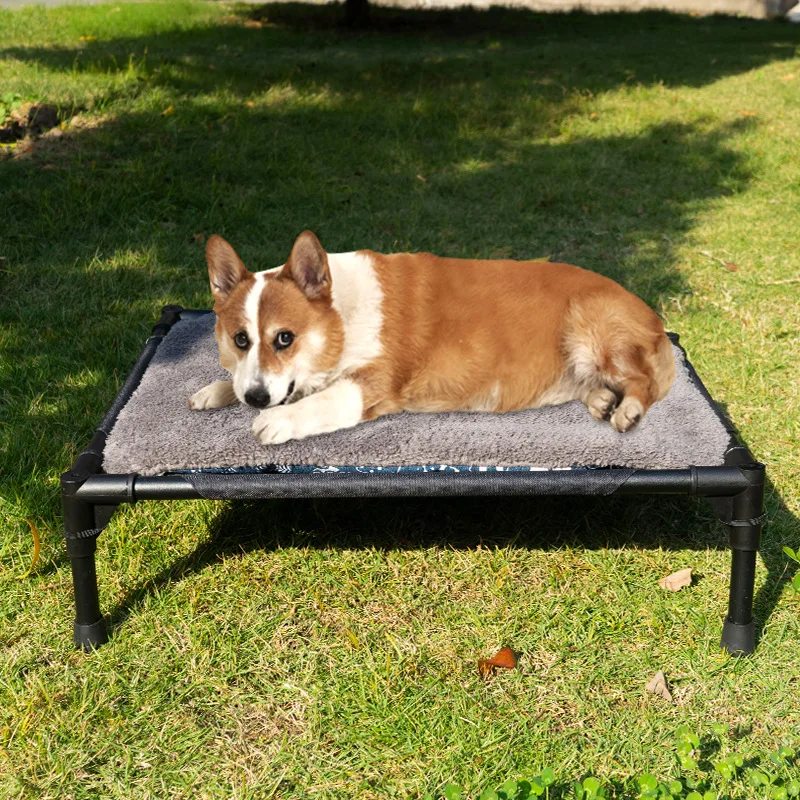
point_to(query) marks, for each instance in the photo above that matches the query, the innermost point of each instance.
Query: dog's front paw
(277, 425)
(215, 395)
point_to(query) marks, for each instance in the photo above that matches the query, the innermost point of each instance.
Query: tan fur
(454, 335)
(525, 334)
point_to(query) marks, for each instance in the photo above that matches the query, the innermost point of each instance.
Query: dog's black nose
(258, 398)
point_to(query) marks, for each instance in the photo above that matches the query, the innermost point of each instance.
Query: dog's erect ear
(225, 268)
(308, 267)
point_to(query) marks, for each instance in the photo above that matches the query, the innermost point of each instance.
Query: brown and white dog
(331, 339)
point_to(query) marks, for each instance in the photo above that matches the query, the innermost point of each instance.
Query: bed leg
(744, 526)
(81, 532)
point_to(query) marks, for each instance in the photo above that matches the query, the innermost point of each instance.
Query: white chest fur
(358, 298)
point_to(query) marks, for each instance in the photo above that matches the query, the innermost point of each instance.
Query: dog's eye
(283, 340)
(241, 340)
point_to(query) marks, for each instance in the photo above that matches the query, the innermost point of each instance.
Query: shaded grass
(283, 649)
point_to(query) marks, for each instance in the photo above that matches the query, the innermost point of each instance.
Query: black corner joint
(747, 515)
(744, 517)
(169, 316)
(81, 529)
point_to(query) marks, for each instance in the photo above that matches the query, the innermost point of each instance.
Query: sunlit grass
(330, 648)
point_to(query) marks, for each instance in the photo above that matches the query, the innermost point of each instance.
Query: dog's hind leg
(619, 357)
(627, 380)
(601, 402)
(640, 375)
(644, 375)
(636, 399)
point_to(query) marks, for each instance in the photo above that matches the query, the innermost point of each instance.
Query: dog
(327, 341)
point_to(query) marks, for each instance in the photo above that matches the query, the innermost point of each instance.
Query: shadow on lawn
(595, 52)
(447, 131)
(387, 524)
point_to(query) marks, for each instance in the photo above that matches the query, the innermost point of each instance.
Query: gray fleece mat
(156, 432)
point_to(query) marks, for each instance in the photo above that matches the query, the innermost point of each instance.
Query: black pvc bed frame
(90, 496)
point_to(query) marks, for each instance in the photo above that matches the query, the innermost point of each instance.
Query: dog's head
(278, 333)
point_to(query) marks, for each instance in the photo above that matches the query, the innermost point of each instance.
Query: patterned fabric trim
(304, 469)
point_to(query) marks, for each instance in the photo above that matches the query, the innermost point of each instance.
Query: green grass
(330, 648)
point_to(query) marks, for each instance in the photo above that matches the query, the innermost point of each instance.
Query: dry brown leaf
(200, 238)
(676, 581)
(504, 658)
(790, 76)
(749, 113)
(253, 23)
(658, 686)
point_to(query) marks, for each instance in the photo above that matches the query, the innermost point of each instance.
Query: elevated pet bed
(150, 446)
